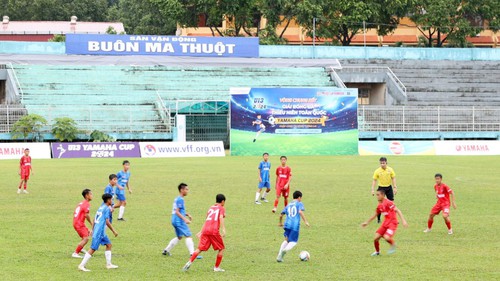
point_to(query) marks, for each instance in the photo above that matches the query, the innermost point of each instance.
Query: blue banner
(98, 44)
(295, 121)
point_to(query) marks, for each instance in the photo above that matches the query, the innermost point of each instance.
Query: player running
(99, 237)
(210, 235)
(293, 213)
(283, 178)
(180, 221)
(81, 214)
(443, 194)
(123, 177)
(259, 126)
(387, 180)
(264, 180)
(25, 168)
(388, 228)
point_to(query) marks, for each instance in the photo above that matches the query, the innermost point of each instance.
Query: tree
(341, 20)
(453, 20)
(278, 13)
(98, 136)
(27, 125)
(65, 128)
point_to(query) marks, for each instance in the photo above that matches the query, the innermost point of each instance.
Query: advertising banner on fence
(95, 149)
(182, 149)
(15, 150)
(396, 148)
(294, 121)
(100, 44)
(467, 147)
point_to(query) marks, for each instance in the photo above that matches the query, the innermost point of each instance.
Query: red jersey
(387, 208)
(25, 162)
(212, 223)
(283, 174)
(443, 193)
(80, 212)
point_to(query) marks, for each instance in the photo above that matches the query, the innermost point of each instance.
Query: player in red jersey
(81, 214)
(388, 228)
(210, 234)
(24, 170)
(443, 194)
(283, 178)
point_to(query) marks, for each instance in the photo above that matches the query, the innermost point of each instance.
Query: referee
(386, 178)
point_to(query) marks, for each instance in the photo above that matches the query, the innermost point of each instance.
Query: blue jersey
(258, 122)
(292, 215)
(178, 204)
(264, 168)
(123, 178)
(103, 213)
(110, 189)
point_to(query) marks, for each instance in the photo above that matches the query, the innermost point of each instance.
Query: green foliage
(111, 30)
(56, 10)
(27, 125)
(98, 136)
(58, 38)
(64, 129)
(337, 199)
(268, 36)
(452, 20)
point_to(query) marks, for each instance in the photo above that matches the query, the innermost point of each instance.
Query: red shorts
(280, 191)
(388, 229)
(25, 174)
(439, 207)
(211, 240)
(82, 231)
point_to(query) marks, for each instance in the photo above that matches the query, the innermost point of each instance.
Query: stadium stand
(130, 99)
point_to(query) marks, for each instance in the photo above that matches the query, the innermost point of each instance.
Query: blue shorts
(120, 197)
(181, 229)
(265, 184)
(291, 235)
(96, 242)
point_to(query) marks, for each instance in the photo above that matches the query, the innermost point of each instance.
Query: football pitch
(37, 237)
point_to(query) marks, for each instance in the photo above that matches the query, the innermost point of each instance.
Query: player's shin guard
(290, 246)
(172, 244)
(377, 245)
(85, 260)
(429, 223)
(121, 212)
(265, 194)
(448, 224)
(257, 195)
(190, 245)
(107, 254)
(218, 260)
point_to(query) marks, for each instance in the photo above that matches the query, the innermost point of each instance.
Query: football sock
(172, 244)
(286, 202)
(193, 256)
(448, 224)
(108, 257)
(122, 210)
(257, 195)
(265, 195)
(377, 246)
(25, 186)
(218, 260)
(86, 259)
(276, 201)
(390, 241)
(283, 246)
(290, 246)
(78, 249)
(190, 245)
(429, 224)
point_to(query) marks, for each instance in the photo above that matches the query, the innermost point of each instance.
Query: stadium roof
(57, 27)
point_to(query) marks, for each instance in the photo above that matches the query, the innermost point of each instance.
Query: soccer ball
(304, 256)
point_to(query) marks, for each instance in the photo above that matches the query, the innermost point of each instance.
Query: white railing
(336, 78)
(16, 80)
(428, 118)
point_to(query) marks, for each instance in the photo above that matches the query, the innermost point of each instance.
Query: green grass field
(37, 238)
(338, 143)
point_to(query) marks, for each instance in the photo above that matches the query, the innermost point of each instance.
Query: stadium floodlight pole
(364, 34)
(314, 37)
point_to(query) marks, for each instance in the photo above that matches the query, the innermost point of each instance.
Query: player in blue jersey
(123, 181)
(259, 126)
(99, 237)
(111, 189)
(180, 221)
(264, 180)
(293, 211)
